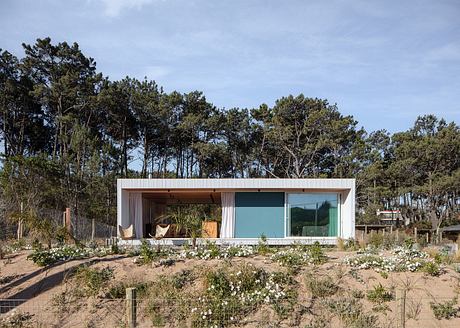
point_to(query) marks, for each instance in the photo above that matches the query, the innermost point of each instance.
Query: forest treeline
(68, 132)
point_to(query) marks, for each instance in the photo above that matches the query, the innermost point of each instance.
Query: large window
(312, 214)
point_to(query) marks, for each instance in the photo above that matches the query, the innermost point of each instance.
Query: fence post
(427, 238)
(401, 300)
(93, 229)
(415, 234)
(131, 307)
(68, 224)
(397, 235)
(20, 225)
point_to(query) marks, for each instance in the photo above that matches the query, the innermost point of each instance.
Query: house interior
(156, 207)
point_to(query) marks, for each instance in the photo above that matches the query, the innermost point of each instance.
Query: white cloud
(113, 8)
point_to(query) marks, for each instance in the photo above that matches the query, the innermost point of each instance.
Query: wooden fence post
(131, 307)
(401, 304)
(397, 235)
(415, 234)
(427, 238)
(20, 231)
(93, 229)
(68, 224)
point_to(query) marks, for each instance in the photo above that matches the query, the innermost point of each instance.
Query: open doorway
(162, 209)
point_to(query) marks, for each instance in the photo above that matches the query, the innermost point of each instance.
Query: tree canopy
(68, 132)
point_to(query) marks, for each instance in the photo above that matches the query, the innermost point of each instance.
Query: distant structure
(391, 217)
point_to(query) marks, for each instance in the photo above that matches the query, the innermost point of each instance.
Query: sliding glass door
(312, 214)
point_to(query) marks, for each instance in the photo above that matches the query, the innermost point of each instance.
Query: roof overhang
(236, 184)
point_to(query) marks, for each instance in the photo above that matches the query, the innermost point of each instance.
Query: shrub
(376, 240)
(341, 244)
(350, 312)
(148, 254)
(356, 293)
(431, 268)
(167, 301)
(320, 286)
(212, 251)
(379, 294)
(401, 259)
(92, 280)
(444, 310)
(262, 246)
(51, 256)
(118, 291)
(233, 293)
(351, 244)
(319, 321)
(300, 255)
(17, 320)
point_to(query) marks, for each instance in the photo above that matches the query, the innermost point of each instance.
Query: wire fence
(151, 312)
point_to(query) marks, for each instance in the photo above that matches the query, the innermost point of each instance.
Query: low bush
(17, 319)
(262, 246)
(92, 280)
(300, 255)
(48, 257)
(43, 257)
(212, 251)
(431, 268)
(320, 286)
(445, 310)
(401, 259)
(376, 240)
(148, 253)
(356, 293)
(350, 312)
(167, 301)
(118, 291)
(231, 293)
(380, 294)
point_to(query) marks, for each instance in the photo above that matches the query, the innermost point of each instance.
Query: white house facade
(282, 210)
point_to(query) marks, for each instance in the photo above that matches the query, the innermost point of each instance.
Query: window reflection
(313, 214)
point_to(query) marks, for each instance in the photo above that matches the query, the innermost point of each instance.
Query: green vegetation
(351, 314)
(68, 131)
(445, 310)
(92, 280)
(320, 286)
(299, 255)
(379, 294)
(18, 320)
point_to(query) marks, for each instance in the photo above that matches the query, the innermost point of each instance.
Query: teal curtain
(333, 221)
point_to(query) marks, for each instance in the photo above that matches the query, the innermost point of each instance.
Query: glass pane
(313, 214)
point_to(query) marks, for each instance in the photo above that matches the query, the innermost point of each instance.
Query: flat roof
(331, 184)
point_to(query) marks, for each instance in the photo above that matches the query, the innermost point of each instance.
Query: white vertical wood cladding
(338, 184)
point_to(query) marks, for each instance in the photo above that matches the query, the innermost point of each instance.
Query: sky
(384, 62)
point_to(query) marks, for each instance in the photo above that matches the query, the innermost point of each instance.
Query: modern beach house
(283, 210)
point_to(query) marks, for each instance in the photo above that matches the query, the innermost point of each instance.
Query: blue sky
(384, 62)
